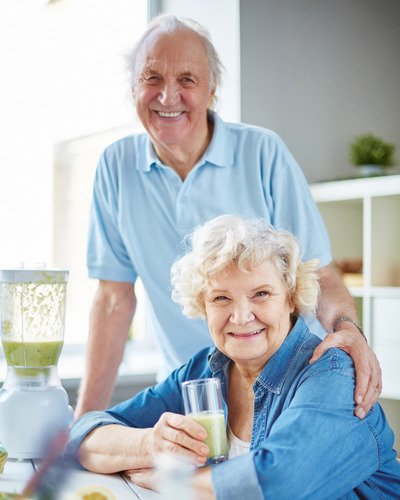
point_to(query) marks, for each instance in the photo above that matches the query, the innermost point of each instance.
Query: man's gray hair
(170, 24)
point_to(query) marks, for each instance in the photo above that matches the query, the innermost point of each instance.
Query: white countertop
(18, 472)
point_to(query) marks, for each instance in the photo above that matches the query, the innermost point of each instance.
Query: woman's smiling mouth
(246, 335)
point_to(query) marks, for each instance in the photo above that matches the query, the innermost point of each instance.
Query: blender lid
(44, 276)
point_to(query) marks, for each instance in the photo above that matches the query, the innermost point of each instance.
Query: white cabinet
(363, 220)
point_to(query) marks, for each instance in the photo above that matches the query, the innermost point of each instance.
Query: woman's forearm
(114, 448)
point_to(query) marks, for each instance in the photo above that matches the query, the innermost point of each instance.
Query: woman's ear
(292, 305)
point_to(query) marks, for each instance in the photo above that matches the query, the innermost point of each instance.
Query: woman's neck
(245, 373)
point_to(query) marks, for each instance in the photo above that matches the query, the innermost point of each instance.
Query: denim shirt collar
(219, 152)
(274, 373)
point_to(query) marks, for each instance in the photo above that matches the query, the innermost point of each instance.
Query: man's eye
(153, 79)
(187, 80)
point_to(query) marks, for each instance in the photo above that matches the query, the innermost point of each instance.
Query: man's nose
(242, 314)
(170, 94)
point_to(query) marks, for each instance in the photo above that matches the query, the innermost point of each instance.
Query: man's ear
(211, 99)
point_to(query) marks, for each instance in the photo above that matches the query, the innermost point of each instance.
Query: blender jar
(32, 316)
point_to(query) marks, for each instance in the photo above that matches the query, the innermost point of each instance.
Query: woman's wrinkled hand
(146, 478)
(175, 433)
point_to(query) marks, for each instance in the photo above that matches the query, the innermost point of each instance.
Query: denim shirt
(306, 441)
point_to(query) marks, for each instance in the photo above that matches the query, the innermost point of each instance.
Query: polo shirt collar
(219, 151)
(274, 373)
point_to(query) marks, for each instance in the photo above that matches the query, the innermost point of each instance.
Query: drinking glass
(202, 400)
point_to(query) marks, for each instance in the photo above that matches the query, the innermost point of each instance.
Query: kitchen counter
(18, 472)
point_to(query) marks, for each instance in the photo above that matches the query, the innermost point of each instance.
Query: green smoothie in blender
(40, 353)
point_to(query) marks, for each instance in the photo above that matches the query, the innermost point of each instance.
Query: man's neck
(182, 158)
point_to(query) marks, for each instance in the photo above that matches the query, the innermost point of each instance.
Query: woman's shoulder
(333, 359)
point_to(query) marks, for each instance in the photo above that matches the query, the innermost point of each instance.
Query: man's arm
(110, 319)
(336, 302)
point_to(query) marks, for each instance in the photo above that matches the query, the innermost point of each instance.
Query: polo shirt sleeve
(293, 207)
(107, 258)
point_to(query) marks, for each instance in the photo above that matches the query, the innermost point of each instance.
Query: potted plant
(371, 154)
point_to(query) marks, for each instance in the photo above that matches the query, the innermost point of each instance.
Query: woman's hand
(201, 483)
(175, 433)
(146, 478)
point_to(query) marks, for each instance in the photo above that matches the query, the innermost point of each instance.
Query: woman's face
(173, 92)
(248, 313)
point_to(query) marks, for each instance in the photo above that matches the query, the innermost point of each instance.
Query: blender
(33, 404)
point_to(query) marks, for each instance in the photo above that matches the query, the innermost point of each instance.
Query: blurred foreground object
(173, 477)
(47, 479)
(3, 457)
(94, 492)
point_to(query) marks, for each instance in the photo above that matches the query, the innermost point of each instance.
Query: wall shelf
(363, 220)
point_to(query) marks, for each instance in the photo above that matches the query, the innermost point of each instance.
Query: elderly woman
(293, 421)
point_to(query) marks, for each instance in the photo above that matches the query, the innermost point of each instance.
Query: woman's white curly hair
(247, 242)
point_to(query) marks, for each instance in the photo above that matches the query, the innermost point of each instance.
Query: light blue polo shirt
(142, 210)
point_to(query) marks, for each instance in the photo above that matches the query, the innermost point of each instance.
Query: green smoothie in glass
(214, 425)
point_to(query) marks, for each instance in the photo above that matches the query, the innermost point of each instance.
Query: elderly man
(152, 189)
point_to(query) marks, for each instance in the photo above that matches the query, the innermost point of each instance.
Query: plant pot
(371, 170)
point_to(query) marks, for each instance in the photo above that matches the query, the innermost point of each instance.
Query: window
(64, 96)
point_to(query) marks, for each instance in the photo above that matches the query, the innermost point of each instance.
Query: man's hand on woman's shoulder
(368, 371)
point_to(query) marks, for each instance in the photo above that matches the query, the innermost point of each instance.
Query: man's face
(173, 92)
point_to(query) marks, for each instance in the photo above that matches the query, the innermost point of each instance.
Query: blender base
(29, 420)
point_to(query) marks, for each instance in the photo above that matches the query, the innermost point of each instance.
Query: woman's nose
(242, 314)
(170, 94)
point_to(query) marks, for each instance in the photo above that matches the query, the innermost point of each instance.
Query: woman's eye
(262, 293)
(220, 298)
